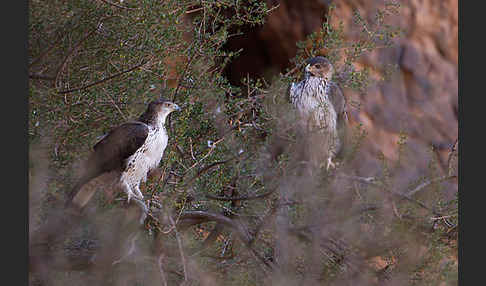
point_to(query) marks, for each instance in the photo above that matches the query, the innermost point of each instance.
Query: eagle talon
(330, 163)
(130, 195)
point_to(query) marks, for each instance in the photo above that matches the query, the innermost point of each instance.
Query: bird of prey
(131, 150)
(321, 106)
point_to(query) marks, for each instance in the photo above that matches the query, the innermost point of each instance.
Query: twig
(181, 251)
(194, 10)
(192, 153)
(292, 70)
(189, 218)
(240, 198)
(181, 78)
(76, 47)
(209, 167)
(118, 6)
(116, 106)
(71, 52)
(43, 77)
(180, 151)
(166, 179)
(212, 147)
(371, 181)
(47, 51)
(360, 210)
(442, 217)
(130, 250)
(225, 246)
(451, 153)
(368, 180)
(395, 210)
(263, 222)
(427, 183)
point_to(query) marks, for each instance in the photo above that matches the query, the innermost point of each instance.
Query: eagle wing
(337, 99)
(114, 148)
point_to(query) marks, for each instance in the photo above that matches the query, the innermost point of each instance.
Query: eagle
(322, 108)
(131, 150)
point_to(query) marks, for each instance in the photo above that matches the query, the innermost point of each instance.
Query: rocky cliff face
(421, 98)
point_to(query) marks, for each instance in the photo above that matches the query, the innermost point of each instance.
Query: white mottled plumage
(316, 112)
(321, 106)
(146, 158)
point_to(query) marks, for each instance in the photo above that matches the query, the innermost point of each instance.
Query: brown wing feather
(339, 102)
(110, 153)
(119, 144)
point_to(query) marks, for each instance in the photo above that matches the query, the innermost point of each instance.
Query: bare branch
(194, 10)
(292, 71)
(71, 52)
(116, 106)
(47, 51)
(118, 6)
(368, 180)
(427, 183)
(102, 80)
(189, 218)
(372, 181)
(241, 198)
(76, 47)
(210, 166)
(42, 77)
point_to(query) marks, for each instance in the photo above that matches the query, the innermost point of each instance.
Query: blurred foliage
(96, 64)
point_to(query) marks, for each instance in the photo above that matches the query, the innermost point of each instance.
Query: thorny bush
(228, 203)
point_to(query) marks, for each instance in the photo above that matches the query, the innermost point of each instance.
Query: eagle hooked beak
(307, 68)
(176, 107)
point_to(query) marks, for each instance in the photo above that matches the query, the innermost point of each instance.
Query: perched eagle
(322, 108)
(131, 150)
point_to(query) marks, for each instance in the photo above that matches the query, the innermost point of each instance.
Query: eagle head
(319, 67)
(158, 110)
(162, 105)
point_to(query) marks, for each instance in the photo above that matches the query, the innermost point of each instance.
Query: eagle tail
(80, 198)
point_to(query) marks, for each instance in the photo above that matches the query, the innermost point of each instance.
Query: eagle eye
(318, 66)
